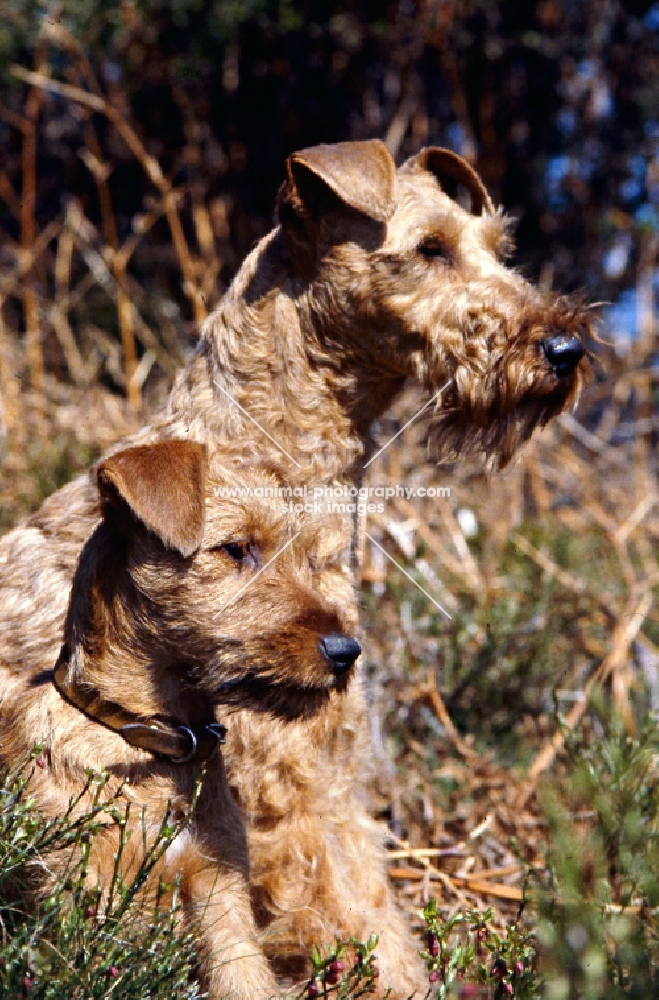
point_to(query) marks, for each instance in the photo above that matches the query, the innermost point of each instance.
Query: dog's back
(37, 562)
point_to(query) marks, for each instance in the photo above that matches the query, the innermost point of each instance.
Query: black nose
(341, 650)
(564, 353)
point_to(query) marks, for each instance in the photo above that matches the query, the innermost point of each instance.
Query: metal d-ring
(188, 757)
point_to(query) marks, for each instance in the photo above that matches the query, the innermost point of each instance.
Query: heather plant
(598, 901)
(75, 943)
(595, 904)
(348, 970)
(466, 957)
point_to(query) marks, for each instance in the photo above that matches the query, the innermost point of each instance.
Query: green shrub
(75, 944)
(599, 903)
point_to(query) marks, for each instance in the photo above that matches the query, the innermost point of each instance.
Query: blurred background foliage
(557, 101)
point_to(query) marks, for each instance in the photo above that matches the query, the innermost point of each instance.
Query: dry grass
(553, 602)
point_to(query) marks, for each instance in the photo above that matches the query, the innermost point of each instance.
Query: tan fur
(374, 276)
(157, 626)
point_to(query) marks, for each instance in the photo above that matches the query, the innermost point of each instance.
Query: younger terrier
(183, 599)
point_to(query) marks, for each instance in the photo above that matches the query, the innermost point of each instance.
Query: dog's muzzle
(563, 353)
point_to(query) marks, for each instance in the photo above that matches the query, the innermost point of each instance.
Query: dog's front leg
(216, 898)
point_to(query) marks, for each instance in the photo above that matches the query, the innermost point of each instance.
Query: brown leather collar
(181, 744)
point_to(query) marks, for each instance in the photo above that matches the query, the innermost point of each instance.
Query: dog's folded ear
(359, 174)
(451, 170)
(163, 486)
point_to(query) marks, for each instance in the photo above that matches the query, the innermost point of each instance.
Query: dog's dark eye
(239, 551)
(243, 553)
(435, 249)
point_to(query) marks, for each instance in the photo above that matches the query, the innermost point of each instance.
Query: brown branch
(149, 164)
(9, 392)
(626, 630)
(546, 563)
(441, 712)
(33, 345)
(25, 261)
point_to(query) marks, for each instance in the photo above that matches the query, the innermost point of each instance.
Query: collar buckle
(175, 741)
(180, 744)
(186, 758)
(203, 742)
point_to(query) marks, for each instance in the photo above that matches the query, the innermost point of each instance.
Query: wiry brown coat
(155, 631)
(373, 276)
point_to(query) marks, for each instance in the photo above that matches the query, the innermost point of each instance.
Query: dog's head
(199, 585)
(408, 278)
